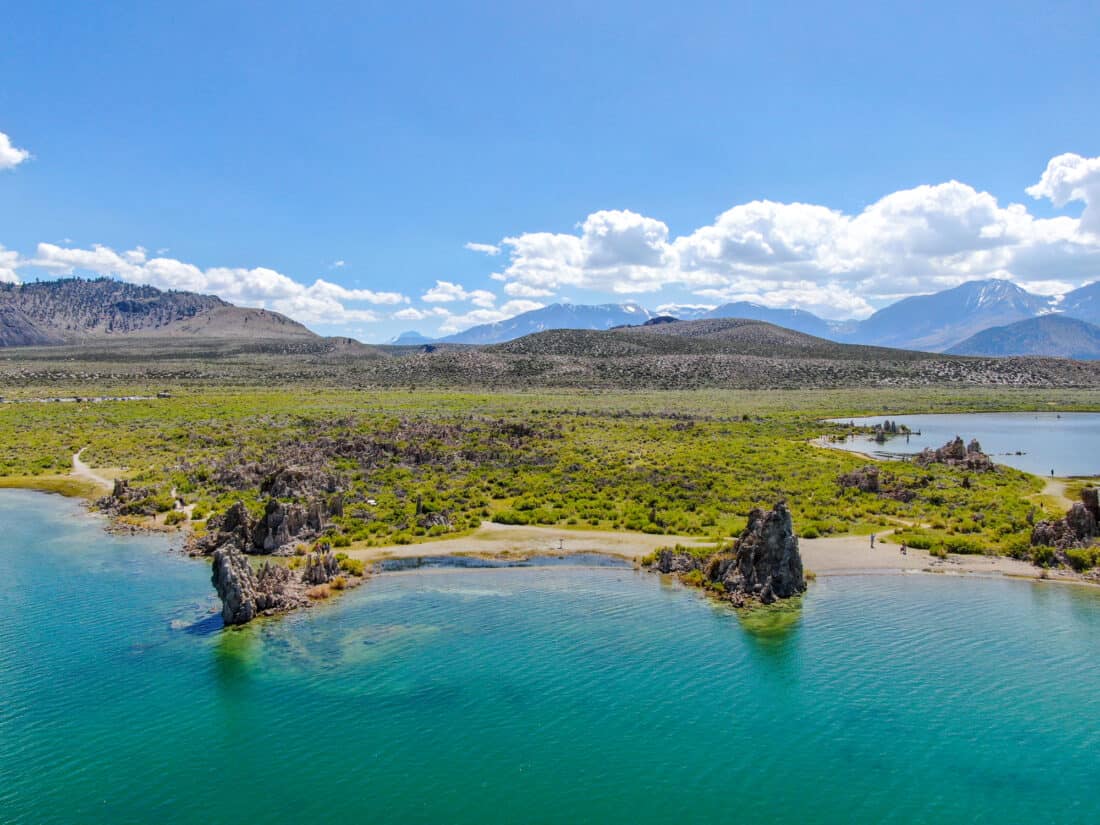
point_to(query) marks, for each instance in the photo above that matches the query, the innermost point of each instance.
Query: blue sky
(247, 148)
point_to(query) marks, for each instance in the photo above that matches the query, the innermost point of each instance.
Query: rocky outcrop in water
(957, 453)
(764, 565)
(273, 588)
(246, 594)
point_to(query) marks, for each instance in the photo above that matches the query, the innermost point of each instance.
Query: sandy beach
(831, 556)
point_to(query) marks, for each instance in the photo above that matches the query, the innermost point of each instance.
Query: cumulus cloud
(837, 264)
(8, 262)
(320, 302)
(1069, 178)
(11, 156)
(484, 248)
(447, 292)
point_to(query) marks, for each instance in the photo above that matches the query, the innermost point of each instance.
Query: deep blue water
(550, 694)
(1067, 443)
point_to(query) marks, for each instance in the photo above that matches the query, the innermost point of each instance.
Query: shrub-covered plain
(413, 466)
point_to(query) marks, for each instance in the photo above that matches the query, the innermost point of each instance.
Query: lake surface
(550, 694)
(1068, 443)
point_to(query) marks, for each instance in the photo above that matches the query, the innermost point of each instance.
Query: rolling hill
(554, 316)
(1052, 335)
(75, 311)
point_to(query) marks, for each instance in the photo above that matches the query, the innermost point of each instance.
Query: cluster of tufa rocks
(957, 453)
(277, 531)
(1077, 528)
(763, 566)
(274, 588)
(870, 479)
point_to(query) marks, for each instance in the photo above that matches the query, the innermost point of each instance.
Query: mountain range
(932, 323)
(989, 317)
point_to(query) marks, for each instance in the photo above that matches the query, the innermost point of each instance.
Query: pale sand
(833, 556)
(86, 473)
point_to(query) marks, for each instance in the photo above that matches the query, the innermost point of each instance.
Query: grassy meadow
(413, 466)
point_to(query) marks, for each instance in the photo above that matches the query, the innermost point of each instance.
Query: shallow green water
(533, 695)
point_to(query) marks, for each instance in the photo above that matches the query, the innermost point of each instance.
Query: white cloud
(11, 156)
(9, 261)
(338, 264)
(484, 248)
(1069, 178)
(796, 254)
(320, 302)
(447, 292)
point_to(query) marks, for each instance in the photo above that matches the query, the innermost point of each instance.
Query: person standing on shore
(872, 541)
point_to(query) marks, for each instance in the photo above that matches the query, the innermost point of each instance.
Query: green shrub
(1083, 558)
(353, 566)
(175, 517)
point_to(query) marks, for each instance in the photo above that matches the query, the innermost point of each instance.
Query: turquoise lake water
(1068, 443)
(554, 694)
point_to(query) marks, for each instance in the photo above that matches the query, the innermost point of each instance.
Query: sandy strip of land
(86, 473)
(832, 556)
(503, 540)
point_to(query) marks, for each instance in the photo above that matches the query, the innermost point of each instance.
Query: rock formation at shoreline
(764, 565)
(274, 588)
(957, 453)
(1078, 528)
(275, 532)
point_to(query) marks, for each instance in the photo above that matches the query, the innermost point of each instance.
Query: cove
(542, 694)
(1068, 443)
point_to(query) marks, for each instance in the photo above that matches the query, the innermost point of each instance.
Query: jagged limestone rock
(320, 567)
(764, 565)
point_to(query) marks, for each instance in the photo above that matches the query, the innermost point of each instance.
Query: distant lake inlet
(1036, 442)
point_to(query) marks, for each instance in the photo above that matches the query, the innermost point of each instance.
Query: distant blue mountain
(938, 321)
(411, 338)
(797, 319)
(555, 316)
(1057, 336)
(934, 322)
(1083, 303)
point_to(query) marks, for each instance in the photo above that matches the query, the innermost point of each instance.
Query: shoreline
(829, 556)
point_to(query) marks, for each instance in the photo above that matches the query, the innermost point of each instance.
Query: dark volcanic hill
(75, 311)
(1048, 335)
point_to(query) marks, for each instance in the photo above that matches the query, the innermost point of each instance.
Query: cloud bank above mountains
(800, 255)
(816, 258)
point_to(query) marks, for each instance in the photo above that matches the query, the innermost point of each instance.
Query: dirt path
(83, 471)
(1055, 489)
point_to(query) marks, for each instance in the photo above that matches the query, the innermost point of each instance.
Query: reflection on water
(772, 623)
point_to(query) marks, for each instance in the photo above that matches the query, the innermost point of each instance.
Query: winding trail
(86, 473)
(1055, 488)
